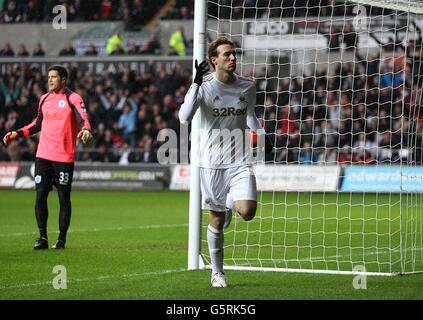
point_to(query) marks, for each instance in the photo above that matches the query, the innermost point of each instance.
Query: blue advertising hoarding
(382, 179)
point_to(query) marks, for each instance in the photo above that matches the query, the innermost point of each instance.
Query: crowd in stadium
(349, 117)
(125, 109)
(355, 115)
(139, 12)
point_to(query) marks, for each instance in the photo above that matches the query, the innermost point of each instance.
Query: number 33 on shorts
(63, 178)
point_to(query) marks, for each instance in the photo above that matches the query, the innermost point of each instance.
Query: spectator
(7, 51)
(23, 52)
(127, 123)
(106, 9)
(127, 20)
(326, 138)
(306, 155)
(133, 49)
(349, 37)
(190, 48)
(186, 13)
(38, 51)
(91, 50)
(116, 44)
(11, 14)
(33, 12)
(345, 157)
(125, 152)
(11, 91)
(152, 46)
(177, 42)
(148, 155)
(139, 14)
(307, 130)
(333, 40)
(68, 50)
(327, 156)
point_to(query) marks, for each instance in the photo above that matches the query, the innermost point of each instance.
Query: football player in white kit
(226, 102)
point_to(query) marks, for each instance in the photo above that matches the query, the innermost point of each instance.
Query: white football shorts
(216, 184)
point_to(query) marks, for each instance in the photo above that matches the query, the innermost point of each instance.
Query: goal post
(194, 232)
(339, 91)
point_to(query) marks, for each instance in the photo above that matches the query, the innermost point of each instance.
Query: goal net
(339, 91)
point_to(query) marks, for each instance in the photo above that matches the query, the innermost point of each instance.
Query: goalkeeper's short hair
(61, 70)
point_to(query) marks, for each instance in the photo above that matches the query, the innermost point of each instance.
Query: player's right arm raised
(190, 105)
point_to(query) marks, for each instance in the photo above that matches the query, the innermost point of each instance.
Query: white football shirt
(226, 115)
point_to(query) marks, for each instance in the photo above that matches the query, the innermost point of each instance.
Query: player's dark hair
(62, 71)
(215, 44)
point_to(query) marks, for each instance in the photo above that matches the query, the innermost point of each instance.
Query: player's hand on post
(200, 70)
(85, 136)
(10, 136)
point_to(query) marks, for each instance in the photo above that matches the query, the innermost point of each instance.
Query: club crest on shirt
(62, 103)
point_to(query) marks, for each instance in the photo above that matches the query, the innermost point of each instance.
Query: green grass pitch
(133, 245)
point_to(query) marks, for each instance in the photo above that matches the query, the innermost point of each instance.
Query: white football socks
(215, 242)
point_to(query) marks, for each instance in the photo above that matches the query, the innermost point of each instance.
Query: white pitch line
(99, 278)
(337, 256)
(152, 226)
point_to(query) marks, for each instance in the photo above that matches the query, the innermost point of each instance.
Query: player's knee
(42, 194)
(248, 210)
(249, 214)
(64, 199)
(217, 220)
(64, 195)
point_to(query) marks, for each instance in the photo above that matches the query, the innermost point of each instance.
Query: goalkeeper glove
(10, 136)
(200, 70)
(85, 136)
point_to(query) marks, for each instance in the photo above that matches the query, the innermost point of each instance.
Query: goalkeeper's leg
(43, 185)
(63, 181)
(64, 214)
(41, 211)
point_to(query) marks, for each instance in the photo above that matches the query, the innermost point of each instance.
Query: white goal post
(339, 90)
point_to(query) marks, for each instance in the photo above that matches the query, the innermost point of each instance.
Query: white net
(339, 91)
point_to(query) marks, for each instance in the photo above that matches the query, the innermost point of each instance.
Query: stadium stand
(295, 109)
